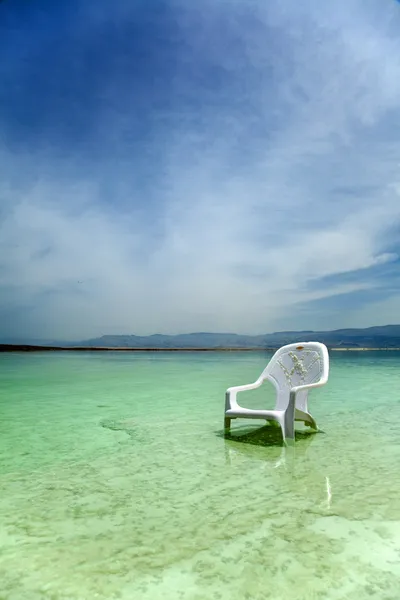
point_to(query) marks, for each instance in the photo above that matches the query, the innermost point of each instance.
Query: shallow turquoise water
(116, 482)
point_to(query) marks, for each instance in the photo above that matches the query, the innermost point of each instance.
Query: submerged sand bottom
(117, 483)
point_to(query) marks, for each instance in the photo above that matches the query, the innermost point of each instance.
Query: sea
(117, 482)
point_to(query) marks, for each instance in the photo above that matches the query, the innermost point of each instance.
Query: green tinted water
(116, 482)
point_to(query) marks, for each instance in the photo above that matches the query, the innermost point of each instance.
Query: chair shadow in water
(268, 435)
(244, 442)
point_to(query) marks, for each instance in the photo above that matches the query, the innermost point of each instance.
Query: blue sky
(174, 166)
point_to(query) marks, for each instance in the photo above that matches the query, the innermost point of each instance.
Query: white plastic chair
(293, 370)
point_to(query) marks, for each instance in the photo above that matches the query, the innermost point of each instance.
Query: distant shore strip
(30, 348)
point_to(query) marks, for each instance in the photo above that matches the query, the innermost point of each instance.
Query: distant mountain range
(387, 336)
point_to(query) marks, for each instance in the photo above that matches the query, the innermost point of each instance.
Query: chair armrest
(230, 396)
(247, 386)
(309, 386)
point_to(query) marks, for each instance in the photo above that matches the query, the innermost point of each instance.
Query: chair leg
(287, 425)
(310, 422)
(227, 424)
(288, 434)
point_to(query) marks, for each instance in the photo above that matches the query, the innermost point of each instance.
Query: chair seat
(250, 413)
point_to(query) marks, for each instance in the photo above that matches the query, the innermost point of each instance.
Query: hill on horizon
(386, 336)
(381, 336)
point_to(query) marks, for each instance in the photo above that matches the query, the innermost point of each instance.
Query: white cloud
(250, 211)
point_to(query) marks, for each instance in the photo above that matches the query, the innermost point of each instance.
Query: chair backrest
(294, 365)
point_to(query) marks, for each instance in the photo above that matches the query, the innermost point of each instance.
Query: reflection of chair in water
(293, 370)
(264, 446)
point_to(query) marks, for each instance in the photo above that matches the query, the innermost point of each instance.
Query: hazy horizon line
(26, 340)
